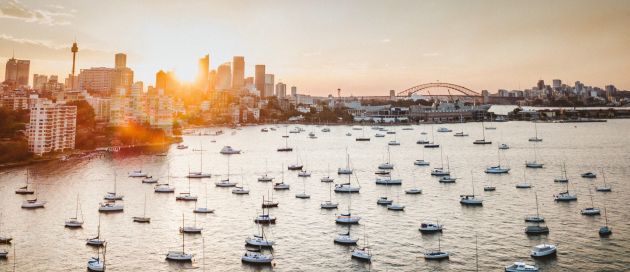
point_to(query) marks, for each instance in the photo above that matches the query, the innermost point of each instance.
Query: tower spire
(74, 51)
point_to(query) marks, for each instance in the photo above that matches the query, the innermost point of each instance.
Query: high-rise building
(556, 84)
(224, 77)
(541, 84)
(281, 90)
(120, 61)
(73, 79)
(52, 127)
(160, 80)
(259, 79)
(123, 78)
(238, 75)
(17, 71)
(269, 83)
(39, 81)
(293, 91)
(204, 68)
(97, 79)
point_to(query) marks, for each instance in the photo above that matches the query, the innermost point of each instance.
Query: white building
(52, 127)
(269, 83)
(99, 79)
(281, 90)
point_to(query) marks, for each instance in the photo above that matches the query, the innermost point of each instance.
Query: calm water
(304, 233)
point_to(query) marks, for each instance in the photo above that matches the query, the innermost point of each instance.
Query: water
(304, 233)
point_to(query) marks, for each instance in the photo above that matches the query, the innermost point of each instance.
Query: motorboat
(346, 239)
(33, 204)
(137, 174)
(430, 227)
(543, 250)
(182, 146)
(256, 258)
(447, 179)
(149, 180)
(521, 267)
(589, 175)
(413, 191)
(388, 181)
(281, 186)
(383, 200)
(421, 163)
(258, 241)
(346, 188)
(163, 188)
(443, 129)
(228, 150)
(110, 207)
(504, 146)
(347, 218)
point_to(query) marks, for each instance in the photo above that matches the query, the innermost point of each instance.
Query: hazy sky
(362, 47)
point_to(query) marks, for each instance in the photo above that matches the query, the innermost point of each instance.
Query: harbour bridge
(441, 91)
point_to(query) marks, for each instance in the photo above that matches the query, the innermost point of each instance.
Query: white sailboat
(497, 169)
(180, 256)
(345, 170)
(186, 196)
(281, 185)
(440, 171)
(4, 239)
(96, 241)
(190, 229)
(226, 182)
(296, 165)
(97, 263)
(535, 218)
(346, 238)
(483, 140)
(241, 190)
(303, 194)
(74, 222)
(605, 187)
(200, 173)
(535, 138)
(329, 204)
(592, 210)
(327, 178)
(543, 250)
(564, 177)
(35, 203)
(421, 162)
(436, 254)
(265, 218)
(447, 178)
(113, 195)
(524, 184)
(144, 218)
(24, 190)
(364, 253)
(396, 206)
(348, 218)
(428, 227)
(387, 165)
(471, 200)
(259, 240)
(565, 196)
(534, 163)
(347, 187)
(413, 190)
(203, 209)
(165, 187)
(265, 177)
(521, 267)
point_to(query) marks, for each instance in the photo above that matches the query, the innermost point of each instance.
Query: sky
(362, 47)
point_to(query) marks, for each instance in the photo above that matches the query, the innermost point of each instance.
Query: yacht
(565, 196)
(386, 165)
(328, 204)
(265, 177)
(303, 194)
(524, 184)
(592, 210)
(436, 254)
(589, 175)
(228, 150)
(535, 138)
(110, 206)
(346, 188)
(497, 169)
(605, 230)
(605, 187)
(543, 250)
(192, 230)
(388, 181)
(471, 200)
(182, 146)
(200, 173)
(534, 163)
(96, 263)
(144, 218)
(521, 267)
(74, 222)
(136, 174)
(113, 195)
(346, 239)
(203, 209)
(430, 227)
(180, 256)
(163, 188)
(33, 204)
(443, 129)
(396, 206)
(564, 177)
(256, 258)
(24, 190)
(345, 170)
(504, 146)
(483, 140)
(258, 241)
(149, 180)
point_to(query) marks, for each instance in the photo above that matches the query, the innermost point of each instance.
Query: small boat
(347, 218)
(269, 203)
(96, 241)
(382, 172)
(504, 146)
(228, 150)
(256, 258)
(413, 191)
(388, 181)
(393, 142)
(179, 256)
(328, 204)
(362, 254)
(421, 163)
(96, 263)
(327, 179)
(543, 250)
(489, 188)
(264, 130)
(589, 175)
(3, 254)
(471, 200)
(345, 170)
(281, 186)
(74, 221)
(295, 167)
(188, 229)
(149, 180)
(110, 206)
(24, 190)
(447, 179)
(258, 241)
(407, 128)
(346, 188)
(136, 174)
(535, 138)
(265, 178)
(483, 141)
(537, 229)
(113, 195)
(396, 206)
(379, 135)
(592, 210)
(605, 230)
(265, 219)
(144, 218)
(304, 174)
(565, 196)
(460, 134)
(534, 218)
(498, 169)
(312, 135)
(534, 163)
(436, 254)
(383, 200)
(286, 147)
(422, 142)
(326, 129)
(524, 184)
(303, 194)
(431, 145)
(33, 204)
(443, 129)
(605, 187)
(348, 134)
(564, 177)
(345, 238)
(430, 227)
(520, 267)
(186, 196)
(182, 146)
(163, 188)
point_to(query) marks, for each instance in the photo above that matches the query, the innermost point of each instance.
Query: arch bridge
(440, 90)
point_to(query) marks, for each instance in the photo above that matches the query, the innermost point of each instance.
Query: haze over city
(364, 49)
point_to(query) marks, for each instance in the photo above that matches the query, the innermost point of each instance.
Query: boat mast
(183, 249)
(76, 211)
(606, 216)
(483, 130)
(472, 182)
(144, 213)
(537, 212)
(476, 253)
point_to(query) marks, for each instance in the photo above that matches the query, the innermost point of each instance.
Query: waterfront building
(52, 127)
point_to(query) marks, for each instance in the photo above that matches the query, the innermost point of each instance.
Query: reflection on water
(304, 233)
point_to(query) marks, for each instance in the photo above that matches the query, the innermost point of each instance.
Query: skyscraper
(293, 91)
(204, 68)
(97, 79)
(120, 61)
(224, 77)
(160, 80)
(281, 90)
(269, 83)
(16, 72)
(39, 81)
(238, 73)
(259, 79)
(74, 81)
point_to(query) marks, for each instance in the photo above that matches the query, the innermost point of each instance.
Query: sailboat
(537, 228)
(180, 256)
(186, 196)
(203, 209)
(363, 253)
(489, 187)
(303, 194)
(259, 240)
(194, 229)
(471, 200)
(33, 203)
(241, 190)
(226, 182)
(447, 178)
(592, 210)
(534, 163)
(432, 144)
(428, 227)
(257, 257)
(564, 177)
(396, 206)
(348, 218)
(421, 162)
(327, 178)
(461, 133)
(524, 184)
(265, 218)
(296, 165)
(265, 177)
(345, 170)
(363, 138)
(387, 165)
(384, 200)
(164, 187)
(96, 263)
(4, 239)
(413, 190)
(113, 195)
(497, 169)
(388, 180)
(535, 138)
(605, 230)
(347, 187)
(329, 204)
(96, 241)
(304, 173)
(269, 203)
(394, 142)
(535, 218)
(281, 185)
(200, 173)
(25, 190)
(143, 218)
(565, 196)
(74, 221)
(605, 187)
(483, 140)
(440, 171)
(436, 254)
(286, 147)
(346, 238)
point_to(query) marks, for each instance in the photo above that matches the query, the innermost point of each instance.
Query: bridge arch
(425, 90)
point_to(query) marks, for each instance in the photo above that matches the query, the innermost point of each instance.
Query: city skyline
(365, 51)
